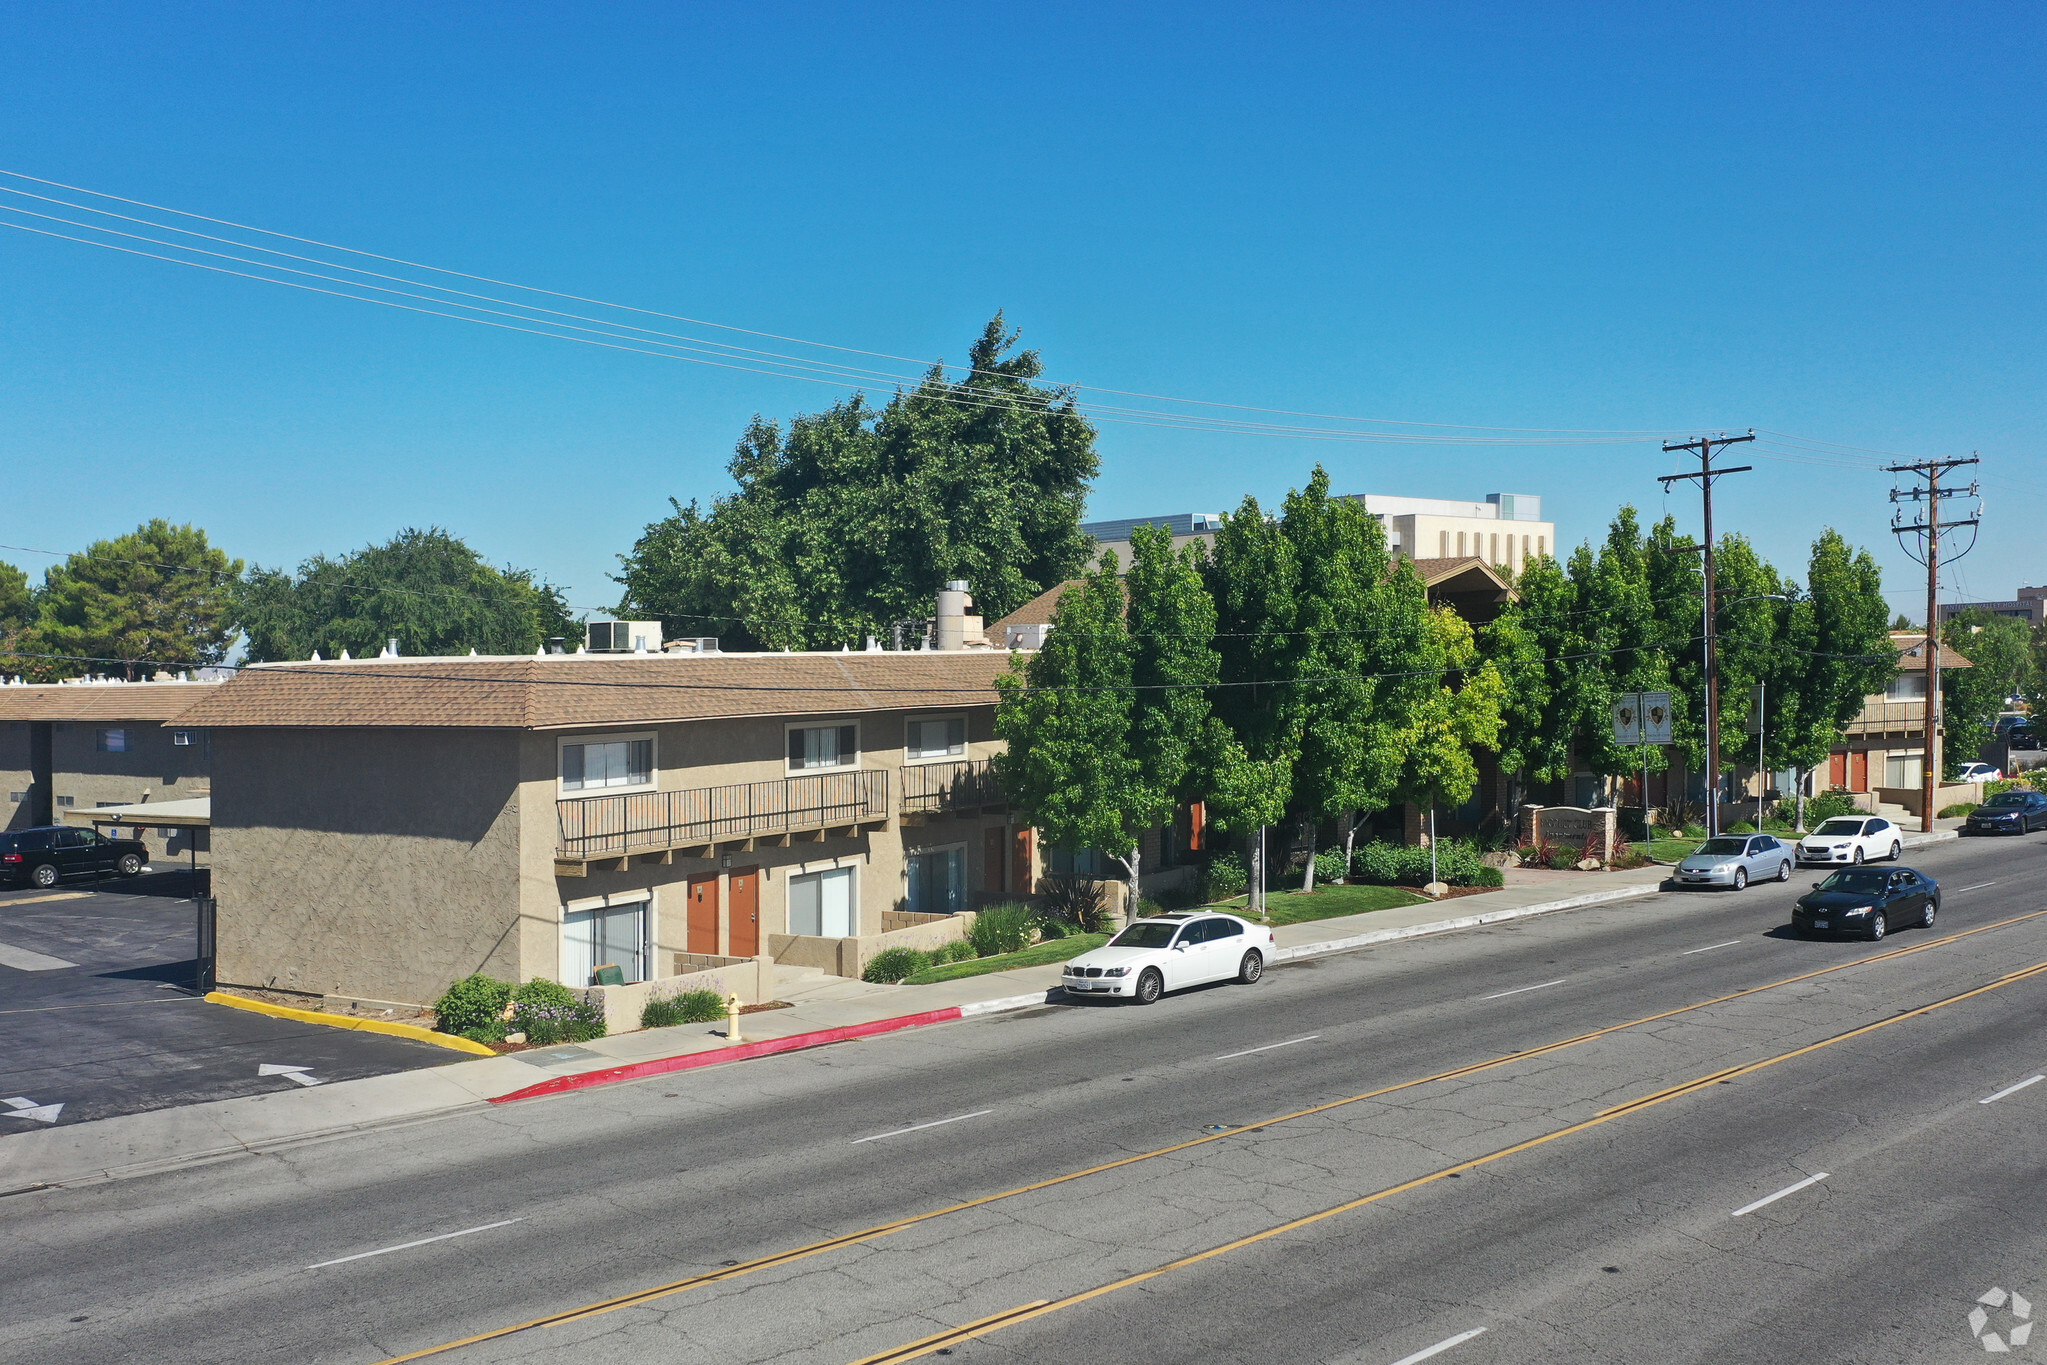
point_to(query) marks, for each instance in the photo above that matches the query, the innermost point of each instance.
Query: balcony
(1880, 716)
(949, 788)
(593, 827)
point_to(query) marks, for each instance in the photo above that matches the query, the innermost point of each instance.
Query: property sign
(1642, 718)
(1755, 709)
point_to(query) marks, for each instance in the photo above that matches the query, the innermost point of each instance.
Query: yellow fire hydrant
(732, 1021)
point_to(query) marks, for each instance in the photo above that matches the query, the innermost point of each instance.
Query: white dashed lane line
(1709, 947)
(1977, 887)
(2011, 1090)
(1268, 1047)
(407, 1246)
(1519, 989)
(920, 1127)
(1773, 1198)
(1440, 1346)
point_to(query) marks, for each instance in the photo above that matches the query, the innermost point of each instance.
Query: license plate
(1819, 924)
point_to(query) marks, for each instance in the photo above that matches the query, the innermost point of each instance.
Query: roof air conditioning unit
(623, 637)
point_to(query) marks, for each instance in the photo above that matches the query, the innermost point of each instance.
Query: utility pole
(1703, 447)
(1930, 528)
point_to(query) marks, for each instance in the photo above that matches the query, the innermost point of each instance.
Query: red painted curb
(661, 1066)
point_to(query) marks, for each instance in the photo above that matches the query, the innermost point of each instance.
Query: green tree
(1834, 652)
(1459, 713)
(2001, 650)
(426, 588)
(848, 524)
(1532, 644)
(159, 597)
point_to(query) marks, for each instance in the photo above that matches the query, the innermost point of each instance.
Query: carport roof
(559, 691)
(197, 810)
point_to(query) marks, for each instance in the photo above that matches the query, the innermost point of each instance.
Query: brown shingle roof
(102, 701)
(1908, 643)
(1038, 611)
(559, 691)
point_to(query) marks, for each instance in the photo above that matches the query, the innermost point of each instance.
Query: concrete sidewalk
(138, 1144)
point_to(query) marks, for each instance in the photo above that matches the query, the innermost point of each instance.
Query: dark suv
(44, 855)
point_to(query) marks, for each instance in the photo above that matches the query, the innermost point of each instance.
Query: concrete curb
(412, 1031)
(1339, 945)
(1939, 836)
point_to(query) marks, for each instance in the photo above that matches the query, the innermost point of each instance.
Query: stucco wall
(152, 765)
(372, 863)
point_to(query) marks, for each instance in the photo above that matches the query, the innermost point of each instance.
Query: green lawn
(1329, 902)
(1037, 955)
(1670, 850)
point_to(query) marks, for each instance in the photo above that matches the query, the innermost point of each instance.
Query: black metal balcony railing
(632, 822)
(950, 786)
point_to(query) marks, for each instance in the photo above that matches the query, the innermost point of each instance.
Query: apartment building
(2029, 606)
(1882, 752)
(1505, 530)
(68, 748)
(385, 826)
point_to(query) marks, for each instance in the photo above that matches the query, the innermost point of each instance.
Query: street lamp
(1761, 691)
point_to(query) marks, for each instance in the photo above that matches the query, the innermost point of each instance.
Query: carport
(193, 815)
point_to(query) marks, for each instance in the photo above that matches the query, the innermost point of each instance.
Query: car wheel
(1149, 986)
(130, 864)
(1251, 968)
(1932, 909)
(44, 875)
(1878, 926)
(1858, 855)
(1740, 878)
(1897, 850)
(1784, 872)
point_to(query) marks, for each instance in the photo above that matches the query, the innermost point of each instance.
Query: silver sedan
(1735, 860)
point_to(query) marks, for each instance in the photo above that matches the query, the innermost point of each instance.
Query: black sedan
(1868, 902)
(2011, 812)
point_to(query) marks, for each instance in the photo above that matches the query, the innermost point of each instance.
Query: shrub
(1002, 929)
(1329, 866)
(1080, 901)
(1458, 863)
(2007, 784)
(959, 950)
(891, 965)
(691, 1007)
(1489, 876)
(1178, 898)
(1226, 877)
(1827, 805)
(1957, 811)
(1049, 929)
(548, 1012)
(1563, 859)
(474, 1007)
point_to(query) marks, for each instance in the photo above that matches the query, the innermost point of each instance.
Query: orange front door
(703, 915)
(1837, 769)
(1858, 770)
(1026, 864)
(746, 912)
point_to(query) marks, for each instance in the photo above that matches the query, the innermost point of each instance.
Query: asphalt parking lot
(98, 1014)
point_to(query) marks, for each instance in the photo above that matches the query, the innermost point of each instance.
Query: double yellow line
(1027, 1311)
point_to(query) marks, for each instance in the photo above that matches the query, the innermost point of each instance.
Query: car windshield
(2006, 800)
(1144, 935)
(1861, 883)
(1723, 846)
(1840, 827)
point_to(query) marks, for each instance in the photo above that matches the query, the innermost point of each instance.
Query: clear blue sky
(1822, 220)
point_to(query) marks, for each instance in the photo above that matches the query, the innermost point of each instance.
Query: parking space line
(920, 1127)
(1268, 1047)
(1519, 989)
(407, 1246)
(1773, 1198)
(29, 960)
(2011, 1090)
(1977, 887)
(1709, 947)
(1441, 1346)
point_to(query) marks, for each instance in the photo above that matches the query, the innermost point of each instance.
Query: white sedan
(1851, 839)
(1978, 772)
(1166, 952)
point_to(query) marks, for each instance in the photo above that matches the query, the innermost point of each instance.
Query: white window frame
(859, 746)
(103, 739)
(925, 850)
(795, 874)
(181, 739)
(650, 929)
(966, 738)
(653, 771)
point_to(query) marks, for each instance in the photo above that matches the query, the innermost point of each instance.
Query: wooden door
(994, 856)
(703, 916)
(745, 902)
(1858, 770)
(1837, 770)
(1026, 865)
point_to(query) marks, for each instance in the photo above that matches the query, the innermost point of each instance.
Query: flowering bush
(548, 1012)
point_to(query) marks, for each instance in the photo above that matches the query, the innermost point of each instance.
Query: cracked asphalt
(1611, 1241)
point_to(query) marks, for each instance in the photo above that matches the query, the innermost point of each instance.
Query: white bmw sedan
(1166, 952)
(1851, 839)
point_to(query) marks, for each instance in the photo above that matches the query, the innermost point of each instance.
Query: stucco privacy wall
(366, 862)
